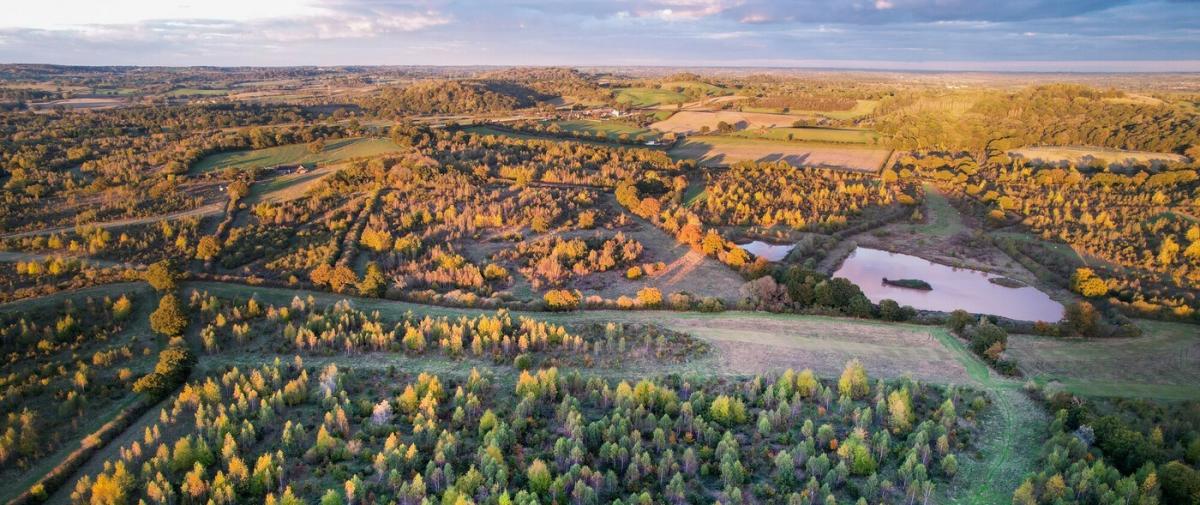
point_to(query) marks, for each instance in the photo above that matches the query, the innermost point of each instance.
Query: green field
(647, 97)
(834, 135)
(296, 154)
(861, 108)
(1160, 364)
(611, 129)
(487, 130)
(666, 94)
(197, 91)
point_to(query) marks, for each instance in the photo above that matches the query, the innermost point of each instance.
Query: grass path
(1010, 441)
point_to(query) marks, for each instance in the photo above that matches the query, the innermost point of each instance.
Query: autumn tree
(162, 275)
(169, 318)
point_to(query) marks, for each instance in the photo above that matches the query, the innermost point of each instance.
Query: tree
(316, 146)
(539, 477)
(238, 190)
(162, 276)
(373, 282)
(958, 320)
(727, 411)
(172, 368)
(1180, 483)
(854, 382)
(1081, 319)
(561, 299)
(207, 248)
(169, 318)
(900, 412)
(649, 297)
(1085, 282)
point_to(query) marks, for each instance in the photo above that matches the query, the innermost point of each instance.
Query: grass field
(197, 91)
(722, 151)
(860, 109)
(833, 135)
(611, 129)
(1079, 155)
(1160, 364)
(646, 97)
(296, 154)
(691, 121)
(487, 130)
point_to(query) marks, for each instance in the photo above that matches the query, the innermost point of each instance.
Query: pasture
(296, 154)
(861, 108)
(197, 92)
(723, 151)
(610, 129)
(831, 135)
(647, 97)
(1085, 155)
(1160, 364)
(691, 121)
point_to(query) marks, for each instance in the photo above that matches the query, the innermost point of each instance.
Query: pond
(769, 252)
(953, 288)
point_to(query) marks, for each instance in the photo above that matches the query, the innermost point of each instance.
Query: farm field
(1082, 155)
(689, 121)
(611, 129)
(647, 97)
(715, 150)
(831, 135)
(861, 108)
(197, 92)
(1160, 364)
(83, 103)
(296, 154)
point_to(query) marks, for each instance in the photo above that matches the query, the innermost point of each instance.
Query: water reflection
(953, 288)
(769, 252)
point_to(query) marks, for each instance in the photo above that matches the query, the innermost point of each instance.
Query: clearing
(296, 154)
(723, 151)
(1160, 364)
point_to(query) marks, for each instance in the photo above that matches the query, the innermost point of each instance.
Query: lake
(953, 288)
(769, 252)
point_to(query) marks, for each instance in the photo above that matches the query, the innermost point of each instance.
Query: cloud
(613, 32)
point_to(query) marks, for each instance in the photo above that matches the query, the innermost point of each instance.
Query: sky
(1004, 35)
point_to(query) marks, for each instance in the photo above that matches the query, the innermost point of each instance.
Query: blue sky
(1040, 35)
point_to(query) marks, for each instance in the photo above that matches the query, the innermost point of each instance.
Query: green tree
(854, 382)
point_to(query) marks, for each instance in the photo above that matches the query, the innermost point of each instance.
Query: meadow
(829, 135)
(713, 150)
(1160, 364)
(296, 154)
(862, 108)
